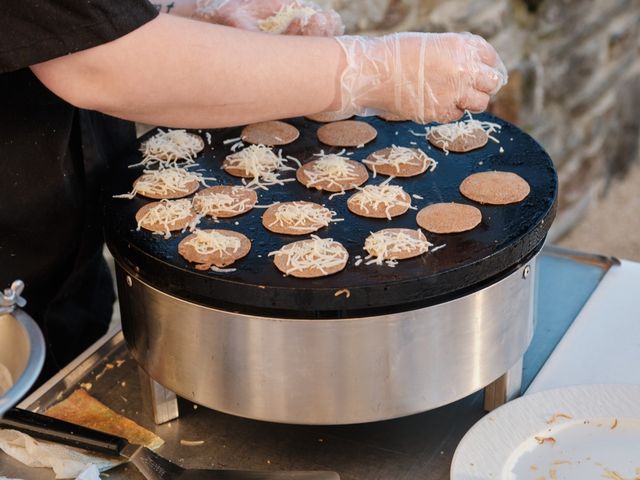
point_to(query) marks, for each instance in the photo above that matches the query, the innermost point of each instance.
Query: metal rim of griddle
(258, 288)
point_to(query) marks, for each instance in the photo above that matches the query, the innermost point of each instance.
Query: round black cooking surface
(507, 236)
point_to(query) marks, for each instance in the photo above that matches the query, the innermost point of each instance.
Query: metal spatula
(149, 463)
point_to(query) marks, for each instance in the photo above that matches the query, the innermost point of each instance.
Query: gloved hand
(290, 17)
(423, 77)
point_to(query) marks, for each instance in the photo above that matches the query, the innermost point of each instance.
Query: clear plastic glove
(423, 77)
(289, 17)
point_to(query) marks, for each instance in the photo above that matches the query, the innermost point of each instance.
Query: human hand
(289, 17)
(423, 77)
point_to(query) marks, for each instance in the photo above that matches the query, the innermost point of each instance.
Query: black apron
(54, 160)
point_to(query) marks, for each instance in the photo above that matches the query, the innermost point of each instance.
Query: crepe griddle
(508, 235)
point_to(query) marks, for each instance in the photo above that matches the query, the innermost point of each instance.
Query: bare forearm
(179, 72)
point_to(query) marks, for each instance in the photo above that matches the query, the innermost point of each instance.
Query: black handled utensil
(149, 463)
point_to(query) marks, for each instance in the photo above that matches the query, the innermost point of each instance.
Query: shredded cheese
(378, 196)
(167, 181)
(302, 216)
(279, 22)
(320, 253)
(208, 242)
(168, 148)
(331, 168)
(260, 163)
(217, 203)
(450, 132)
(167, 213)
(387, 245)
(398, 157)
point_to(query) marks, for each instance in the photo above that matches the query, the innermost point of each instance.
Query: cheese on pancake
(80, 408)
(259, 163)
(170, 147)
(380, 201)
(395, 244)
(311, 258)
(449, 133)
(165, 183)
(167, 216)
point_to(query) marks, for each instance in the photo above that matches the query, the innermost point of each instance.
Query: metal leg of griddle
(163, 401)
(504, 389)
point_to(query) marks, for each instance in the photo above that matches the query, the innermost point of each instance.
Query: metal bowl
(21, 352)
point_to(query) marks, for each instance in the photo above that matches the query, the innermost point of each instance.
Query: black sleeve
(33, 31)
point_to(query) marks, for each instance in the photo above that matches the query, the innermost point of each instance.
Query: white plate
(582, 432)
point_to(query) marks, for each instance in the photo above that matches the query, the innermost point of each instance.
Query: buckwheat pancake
(168, 183)
(332, 173)
(171, 146)
(315, 257)
(216, 247)
(450, 138)
(449, 217)
(392, 117)
(270, 133)
(224, 201)
(166, 216)
(296, 218)
(495, 188)
(255, 161)
(380, 201)
(395, 244)
(399, 162)
(80, 408)
(327, 117)
(348, 133)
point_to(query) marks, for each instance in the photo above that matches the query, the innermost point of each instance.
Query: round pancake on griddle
(166, 216)
(332, 173)
(224, 201)
(396, 244)
(327, 117)
(168, 183)
(296, 218)
(449, 217)
(255, 161)
(348, 133)
(460, 143)
(216, 247)
(172, 146)
(399, 161)
(495, 188)
(380, 201)
(315, 257)
(270, 133)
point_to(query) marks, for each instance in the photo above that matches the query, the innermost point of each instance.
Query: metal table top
(418, 446)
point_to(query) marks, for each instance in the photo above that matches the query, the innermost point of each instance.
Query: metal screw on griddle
(526, 271)
(129, 281)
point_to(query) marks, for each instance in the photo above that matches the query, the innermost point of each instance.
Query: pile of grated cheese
(167, 213)
(320, 253)
(374, 196)
(302, 215)
(217, 203)
(449, 132)
(168, 148)
(332, 168)
(260, 163)
(279, 22)
(400, 156)
(164, 181)
(384, 246)
(208, 242)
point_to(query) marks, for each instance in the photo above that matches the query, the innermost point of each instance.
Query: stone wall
(574, 76)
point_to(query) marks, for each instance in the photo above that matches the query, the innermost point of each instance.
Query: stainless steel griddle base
(342, 371)
(419, 446)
